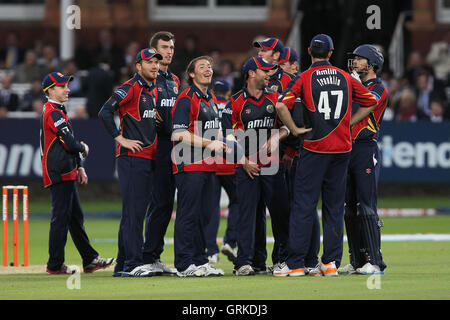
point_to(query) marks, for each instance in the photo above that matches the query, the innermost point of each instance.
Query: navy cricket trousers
(362, 184)
(279, 215)
(229, 184)
(212, 227)
(136, 179)
(249, 192)
(315, 174)
(160, 208)
(67, 215)
(194, 209)
(311, 258)
(363, 176)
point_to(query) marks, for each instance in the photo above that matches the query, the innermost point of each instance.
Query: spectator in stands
(114, 53)
(130, 56)
(8, 98)
(29, 70)
(51, 61)
(38, 48)
(38, 106)
(394, 97)
(76, 85)
(407, 107)
(80, 112)
(3, 112)
(12, 55)
(427, 91)
(437, 113)
(414, 67)
(216, 55)
(99, 84)
(439, 58)
(188, 52)
(423, 93)
(394, 90)
(228, 73)
(84, 56)
(34, 93)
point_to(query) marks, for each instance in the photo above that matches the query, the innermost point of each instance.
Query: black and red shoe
(98, 263)
(63, 270)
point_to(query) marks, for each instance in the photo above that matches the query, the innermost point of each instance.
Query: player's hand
(133, 145)
(272, 144)
(355, 76)
(300, 131)
(218, 146)
(251, 168)
(159, 119)
(82, 177)
(287, 161)
(86, 149)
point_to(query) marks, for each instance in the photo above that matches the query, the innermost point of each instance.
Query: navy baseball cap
(270, 44)
(257, 63)
(55, 79)
(221, 86)
(322, 42)
(147, 54)
(290, 55)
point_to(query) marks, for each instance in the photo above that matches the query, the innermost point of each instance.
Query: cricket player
(62, 168)
(272, 50)
(252, 109)
(361, 219)
(136, 150)
(196, 134)
(289, 61)
(222, 90)
(163, 193)
(327, 93)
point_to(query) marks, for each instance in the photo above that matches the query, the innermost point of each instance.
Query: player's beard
(149, 76)
(164, 64)
(261, 85)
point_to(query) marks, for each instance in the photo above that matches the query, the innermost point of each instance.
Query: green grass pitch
(416, 270)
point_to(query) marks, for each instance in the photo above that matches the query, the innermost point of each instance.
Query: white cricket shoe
(192, 271)
(282, 270)
(165, 269)
(348, 269)
(329, 269)
(211, 271)
(245, 270)
(154, 270)
(214, 258)
(314, 272)
(138, 272)
(230, 252)
(369, 268)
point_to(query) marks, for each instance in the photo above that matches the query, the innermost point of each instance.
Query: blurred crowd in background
(422, 93)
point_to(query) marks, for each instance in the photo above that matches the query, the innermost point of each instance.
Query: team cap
(270, 44)
(321, 42)
(258, 63)
(290, 55)
(147, 54)
(55, 79)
